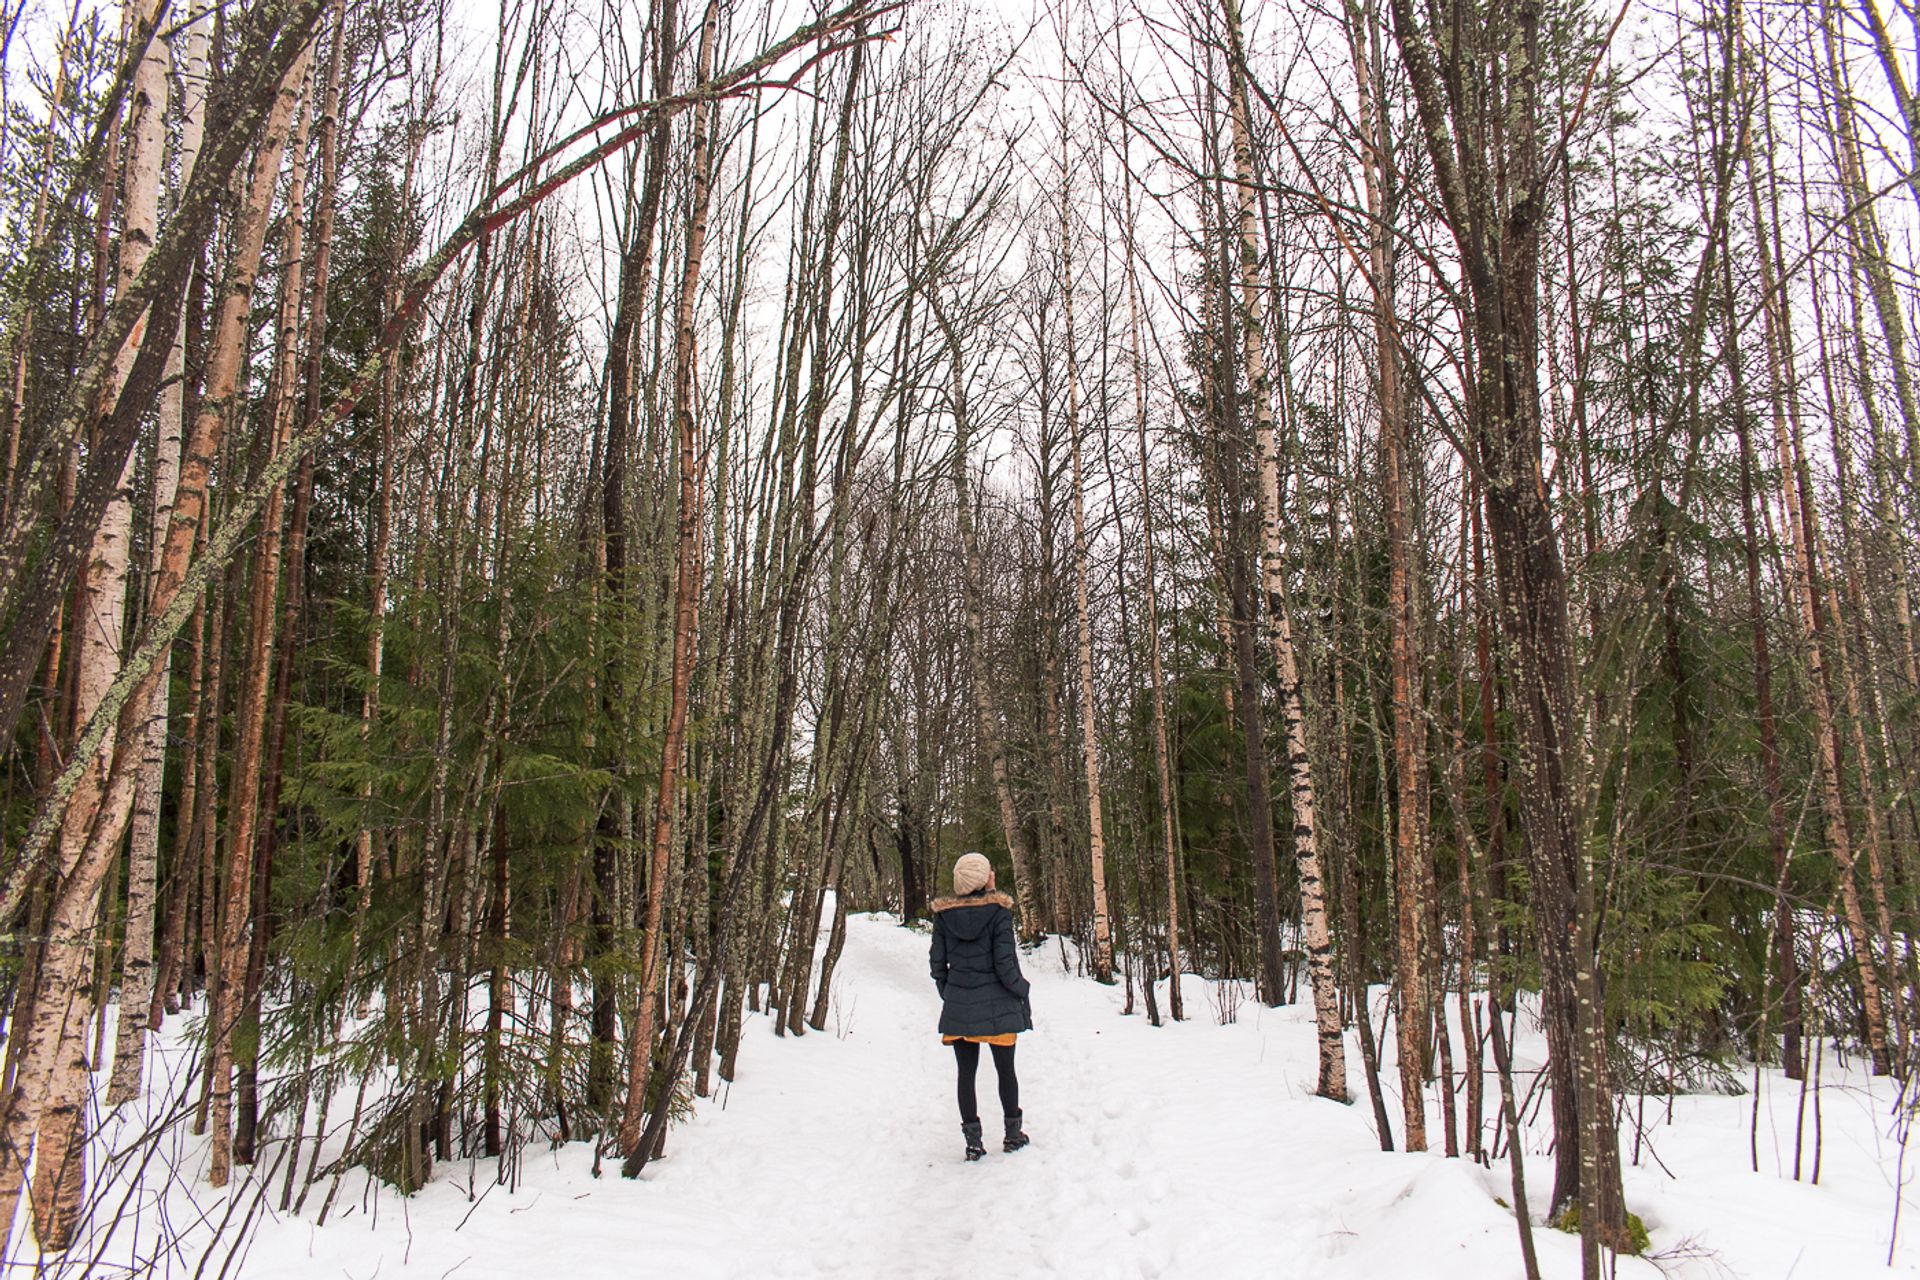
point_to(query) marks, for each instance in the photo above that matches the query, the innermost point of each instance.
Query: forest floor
(1193, 1149)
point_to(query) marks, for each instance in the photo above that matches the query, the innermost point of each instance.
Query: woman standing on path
(983, 995)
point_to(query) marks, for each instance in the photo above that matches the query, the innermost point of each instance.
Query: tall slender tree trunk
(1083, 633)
(1785, 966)
(973, 593)
(1808, 617)
(686, 604)
(625, 393)
(232, 1041)
(310, 351)
(1332, 1081)
(378, 568)
(137, 964)
(1156, 667)
(1413, 867)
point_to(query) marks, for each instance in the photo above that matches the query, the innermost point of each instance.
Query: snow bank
(1188, 1150)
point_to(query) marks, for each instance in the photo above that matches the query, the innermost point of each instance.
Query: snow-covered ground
(1194, 1149)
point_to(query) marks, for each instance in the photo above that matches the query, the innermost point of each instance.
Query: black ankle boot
(975, 1146)
(1015, 1138)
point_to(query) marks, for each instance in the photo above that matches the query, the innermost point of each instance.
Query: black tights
(967, 1054)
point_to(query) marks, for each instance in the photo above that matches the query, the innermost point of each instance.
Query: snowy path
(1191, 1150)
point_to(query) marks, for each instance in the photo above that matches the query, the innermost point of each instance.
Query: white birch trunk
(1313, 902)
(59, 1182)
(136, 982)
(1089, 742)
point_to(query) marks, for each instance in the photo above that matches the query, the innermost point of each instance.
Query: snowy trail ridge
(1191, 1150)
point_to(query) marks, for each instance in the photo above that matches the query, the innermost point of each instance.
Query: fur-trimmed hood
(960, 922)
(992, 897)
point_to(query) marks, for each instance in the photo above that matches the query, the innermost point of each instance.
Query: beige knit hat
(971, 872)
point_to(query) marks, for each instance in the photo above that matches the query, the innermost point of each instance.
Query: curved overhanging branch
(143, 667)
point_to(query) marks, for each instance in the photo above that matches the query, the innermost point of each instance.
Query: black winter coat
(977, 967)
